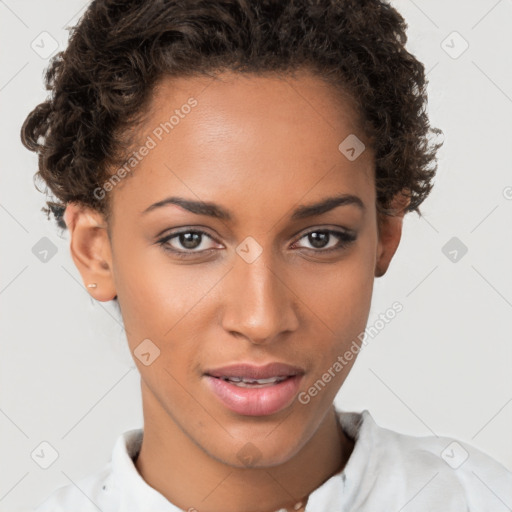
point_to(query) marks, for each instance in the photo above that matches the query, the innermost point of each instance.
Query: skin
(259, 147)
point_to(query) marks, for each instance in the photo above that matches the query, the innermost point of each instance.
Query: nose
(259, 304)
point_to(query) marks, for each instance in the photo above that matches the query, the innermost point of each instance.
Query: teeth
(243, 382)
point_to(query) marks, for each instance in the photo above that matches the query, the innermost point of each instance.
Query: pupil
(318, 239)
(189, 240)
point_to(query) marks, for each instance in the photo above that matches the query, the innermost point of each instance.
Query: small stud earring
(92, 285)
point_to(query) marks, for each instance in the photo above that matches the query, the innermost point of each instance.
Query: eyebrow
(218, 212)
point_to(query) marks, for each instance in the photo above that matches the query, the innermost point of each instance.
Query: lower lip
(259, 401)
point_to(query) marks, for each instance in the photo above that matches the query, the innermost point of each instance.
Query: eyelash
(345, 239)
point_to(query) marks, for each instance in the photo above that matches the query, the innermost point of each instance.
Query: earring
(92, 285)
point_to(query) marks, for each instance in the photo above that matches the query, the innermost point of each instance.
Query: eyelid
(184, 229)
(328, 227)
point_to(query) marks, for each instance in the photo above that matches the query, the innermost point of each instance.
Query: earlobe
(90, 250)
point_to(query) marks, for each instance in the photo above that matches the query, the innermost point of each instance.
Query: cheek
(155, 293)
(339, 306)
(339, 302)
(340, 294)
(170, 305)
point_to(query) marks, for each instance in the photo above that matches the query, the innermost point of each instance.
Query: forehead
(263, 137)
(231, 103)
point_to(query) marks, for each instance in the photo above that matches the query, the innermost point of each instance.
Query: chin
(247, 451)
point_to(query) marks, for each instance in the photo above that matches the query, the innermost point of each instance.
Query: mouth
(255, 391)
(243, 382)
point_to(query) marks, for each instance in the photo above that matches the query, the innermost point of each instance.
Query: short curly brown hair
(101, 84)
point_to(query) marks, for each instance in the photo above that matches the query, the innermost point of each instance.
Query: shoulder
(441, 473)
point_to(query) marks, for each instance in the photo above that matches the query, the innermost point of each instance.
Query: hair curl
(101, 84)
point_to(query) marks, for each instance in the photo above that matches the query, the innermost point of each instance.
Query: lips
(255, 390)
(247, 371)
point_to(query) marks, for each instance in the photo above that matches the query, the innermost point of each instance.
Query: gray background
(441, 367)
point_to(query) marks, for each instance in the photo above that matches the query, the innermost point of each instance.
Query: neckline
(134, 489)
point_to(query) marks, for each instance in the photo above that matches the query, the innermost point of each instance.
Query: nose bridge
(258, 303)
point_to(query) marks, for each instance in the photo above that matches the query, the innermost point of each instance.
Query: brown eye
(190, 240)
(325, 240)
(185, 243)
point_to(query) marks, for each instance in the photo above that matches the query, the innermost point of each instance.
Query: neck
(190, 478)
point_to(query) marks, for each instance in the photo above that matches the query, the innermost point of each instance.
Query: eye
(186, 243)
(327, 240)
(191, 242)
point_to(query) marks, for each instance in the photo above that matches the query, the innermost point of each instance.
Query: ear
(390, 232)
(90, 249)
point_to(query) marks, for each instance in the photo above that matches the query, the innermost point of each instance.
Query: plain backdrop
(441, 367)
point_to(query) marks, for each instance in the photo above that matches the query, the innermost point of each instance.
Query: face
(254, 276)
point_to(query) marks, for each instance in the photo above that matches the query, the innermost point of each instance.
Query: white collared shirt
(386, 472)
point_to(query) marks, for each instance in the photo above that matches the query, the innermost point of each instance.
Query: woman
(235, 175)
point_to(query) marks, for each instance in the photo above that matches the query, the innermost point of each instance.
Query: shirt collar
(340, 489)
(134, 492)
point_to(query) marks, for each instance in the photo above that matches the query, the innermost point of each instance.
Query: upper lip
(250, 371)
